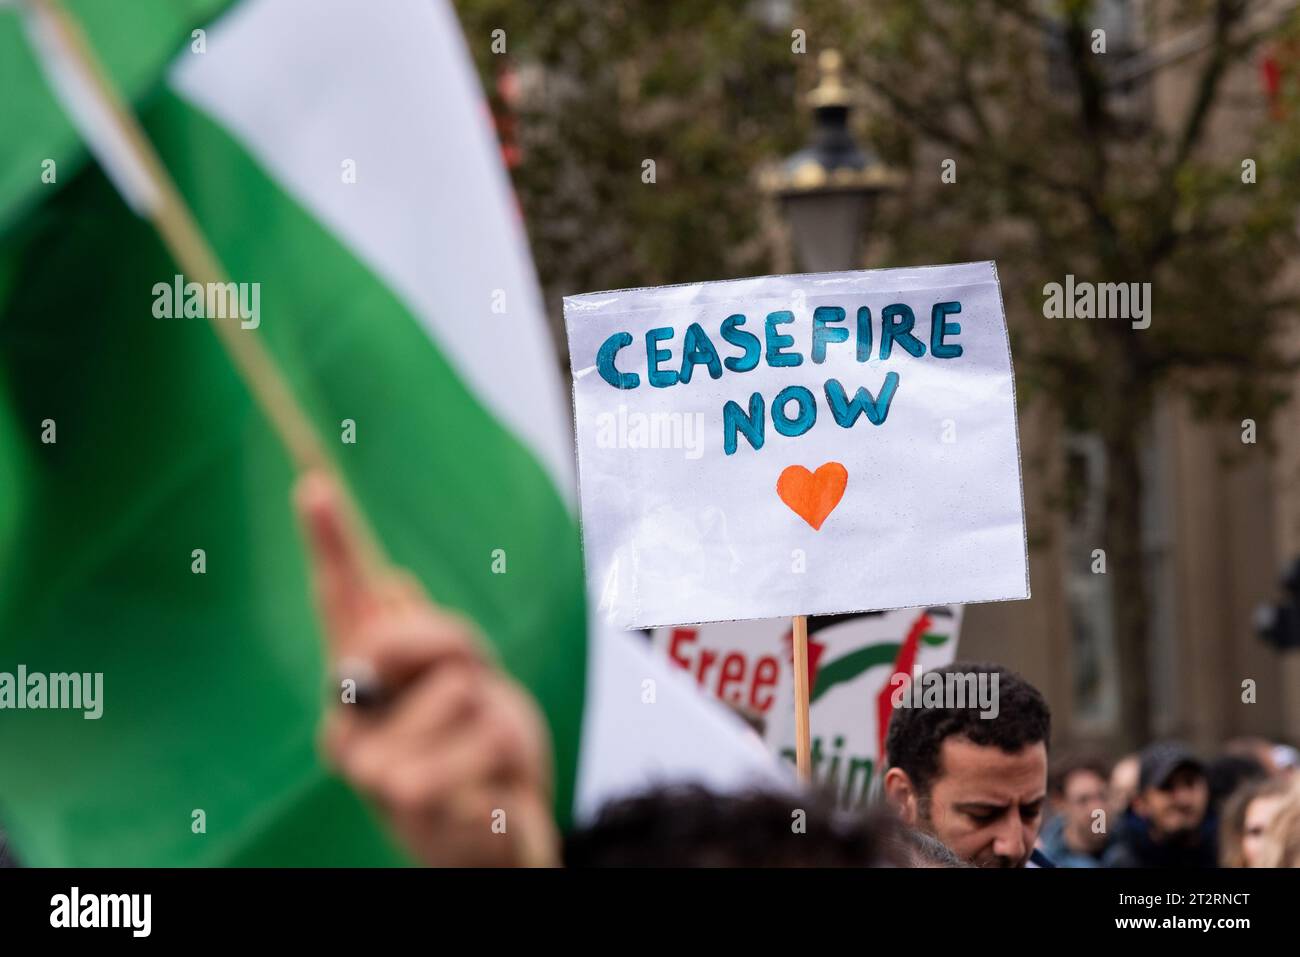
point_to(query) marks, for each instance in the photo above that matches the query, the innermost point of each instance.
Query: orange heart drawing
(813, 495)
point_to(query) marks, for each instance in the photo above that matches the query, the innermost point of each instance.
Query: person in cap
(1169, 824)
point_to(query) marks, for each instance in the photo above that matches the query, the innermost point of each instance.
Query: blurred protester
(1123, 785)
(1228, 773)
(1287, 760)
(1079, 830)
(439, 740)
(977, 784)
(1169, 824)
(1259, 750)
(7, 858)
(689, 826)
(1246, 816)
(1280, 844)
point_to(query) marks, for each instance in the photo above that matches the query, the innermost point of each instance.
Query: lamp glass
(826, 228)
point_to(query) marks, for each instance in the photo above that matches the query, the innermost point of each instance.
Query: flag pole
(113, 133)
(802, 730)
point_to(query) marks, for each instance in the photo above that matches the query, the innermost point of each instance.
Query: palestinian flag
(340, 159)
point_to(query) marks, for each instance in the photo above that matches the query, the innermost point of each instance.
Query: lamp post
(828, 190)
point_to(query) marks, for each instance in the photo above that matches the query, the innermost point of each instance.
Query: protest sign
(851, 661)
(852, 667)
(794, 445)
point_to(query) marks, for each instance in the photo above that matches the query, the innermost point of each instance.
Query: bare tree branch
(921, 117)
(1222, 53)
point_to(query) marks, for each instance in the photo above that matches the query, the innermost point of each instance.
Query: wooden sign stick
(802, 731)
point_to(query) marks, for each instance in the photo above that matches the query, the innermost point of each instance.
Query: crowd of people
(1170, 808)
(966, 791)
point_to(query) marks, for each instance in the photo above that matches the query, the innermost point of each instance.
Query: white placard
(790, 445)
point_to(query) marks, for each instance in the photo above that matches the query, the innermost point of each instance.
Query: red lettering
(681, 635)
(769, 667)
(706, 658)
(730, 675)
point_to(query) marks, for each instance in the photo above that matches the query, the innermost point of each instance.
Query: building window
(1095, 691)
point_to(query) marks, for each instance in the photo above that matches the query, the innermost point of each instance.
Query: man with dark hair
(972, 776)
(1227, 773)
(1078, 833)
(1169, 824)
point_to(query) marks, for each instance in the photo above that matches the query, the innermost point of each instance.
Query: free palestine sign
(851, 661)
(797, 445)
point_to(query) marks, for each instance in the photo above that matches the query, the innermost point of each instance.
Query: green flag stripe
(134, 41)
(852, 665)
(212, 682)
(855, 662)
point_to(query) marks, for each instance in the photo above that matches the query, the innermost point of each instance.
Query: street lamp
(828, 190)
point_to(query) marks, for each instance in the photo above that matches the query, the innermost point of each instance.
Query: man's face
(1085, 794)
(987, 805)
(1123, 784)
(1177, 808)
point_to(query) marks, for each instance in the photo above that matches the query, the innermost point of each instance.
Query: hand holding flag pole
(453, 753)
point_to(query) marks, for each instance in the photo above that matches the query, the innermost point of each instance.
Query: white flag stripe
(85, 103)
(305, 87)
